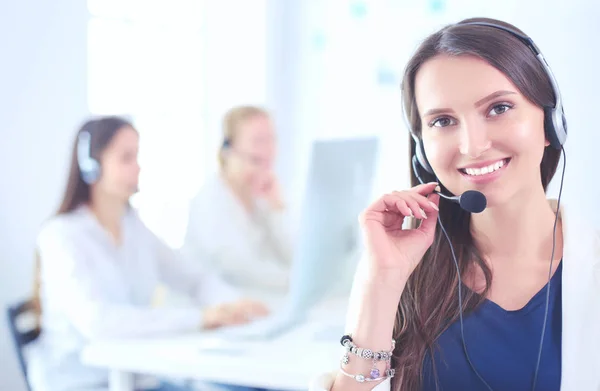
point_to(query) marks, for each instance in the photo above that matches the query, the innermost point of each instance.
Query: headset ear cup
(91, 172)
(421, 158)
(550, 129)
(88, 166)
(563, 120)
(90, 177)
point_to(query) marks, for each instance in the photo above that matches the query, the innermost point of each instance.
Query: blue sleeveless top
(503, 347)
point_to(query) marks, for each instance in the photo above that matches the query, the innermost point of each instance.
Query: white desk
(287, 362)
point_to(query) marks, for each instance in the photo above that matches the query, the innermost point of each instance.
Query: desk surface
(286, 362)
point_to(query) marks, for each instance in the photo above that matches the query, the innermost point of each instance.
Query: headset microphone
(472, 201)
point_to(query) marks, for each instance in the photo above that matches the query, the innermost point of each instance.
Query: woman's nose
(474, 141)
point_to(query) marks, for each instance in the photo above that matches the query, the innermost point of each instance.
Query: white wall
(284, 88)
(259, 66)
(42, 98)
(236, 63)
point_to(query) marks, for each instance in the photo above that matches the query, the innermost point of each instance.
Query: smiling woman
(476, 301)
(484, 130)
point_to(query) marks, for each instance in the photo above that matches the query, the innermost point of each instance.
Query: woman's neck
(109, 213)
(240, 191)
(519, 230)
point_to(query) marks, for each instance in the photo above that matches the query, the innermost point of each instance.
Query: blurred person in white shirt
(238, 223)
(99, 265)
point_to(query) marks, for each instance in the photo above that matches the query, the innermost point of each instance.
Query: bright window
(145, 61)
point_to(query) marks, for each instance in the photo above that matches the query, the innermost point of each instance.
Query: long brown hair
(77, 192)
(102, 131)
(429, 303)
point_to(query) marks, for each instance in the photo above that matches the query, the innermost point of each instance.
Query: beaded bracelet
(367, 354)
(362, 378)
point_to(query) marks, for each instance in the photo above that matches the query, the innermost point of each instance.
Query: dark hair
(429, 303)
(102, 131)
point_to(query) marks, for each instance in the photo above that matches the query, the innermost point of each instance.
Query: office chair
(21, 338)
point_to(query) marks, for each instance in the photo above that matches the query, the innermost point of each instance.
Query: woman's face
(119, 165)
(251, 156)
(479, 132)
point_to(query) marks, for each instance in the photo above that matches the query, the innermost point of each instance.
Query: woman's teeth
(485, 170)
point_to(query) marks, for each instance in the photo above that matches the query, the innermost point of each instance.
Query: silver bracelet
(389, 373)
(366, 354)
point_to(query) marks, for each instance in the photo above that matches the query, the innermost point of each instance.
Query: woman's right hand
(234, 313)
(394, 251)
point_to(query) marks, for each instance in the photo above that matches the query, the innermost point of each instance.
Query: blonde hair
(231, 124)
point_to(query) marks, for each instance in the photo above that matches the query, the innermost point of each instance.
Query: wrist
(388, 282)
(276, 204)
(209, 319)
(372, 312)
(373, 322)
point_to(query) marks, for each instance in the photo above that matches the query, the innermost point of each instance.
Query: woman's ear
(547, 143)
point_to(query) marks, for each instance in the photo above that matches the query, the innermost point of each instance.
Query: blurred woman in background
(99, 266)
(238, 221)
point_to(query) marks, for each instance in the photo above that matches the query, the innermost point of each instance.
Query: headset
(555, 123)
(555, 129)
(88, 166)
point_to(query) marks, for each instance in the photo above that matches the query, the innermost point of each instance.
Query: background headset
(555, 129)
(88, 166)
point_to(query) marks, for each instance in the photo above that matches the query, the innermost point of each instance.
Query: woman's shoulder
(63, 224)
(136, 224)
(62, 231)
(212, 197)
(576, 221)
(580, 234)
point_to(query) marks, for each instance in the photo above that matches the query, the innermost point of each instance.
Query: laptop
(339, 186)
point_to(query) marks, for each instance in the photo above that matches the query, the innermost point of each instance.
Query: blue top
(503, 347)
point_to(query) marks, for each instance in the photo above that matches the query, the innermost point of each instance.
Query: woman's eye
(441, 122)
(499, 109)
